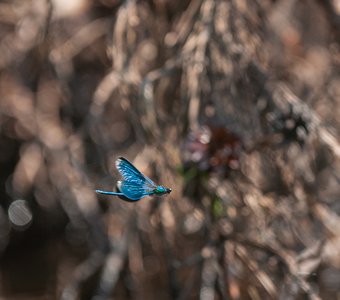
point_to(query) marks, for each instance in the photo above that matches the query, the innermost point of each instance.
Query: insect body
(135, 185)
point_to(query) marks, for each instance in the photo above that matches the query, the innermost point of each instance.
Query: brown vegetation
(233, 104)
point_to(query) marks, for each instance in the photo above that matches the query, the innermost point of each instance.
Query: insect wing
(131, 174)
(134, 191)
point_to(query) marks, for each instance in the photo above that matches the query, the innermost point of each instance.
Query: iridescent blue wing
(131, 174)
(134, 191)
(134, 186)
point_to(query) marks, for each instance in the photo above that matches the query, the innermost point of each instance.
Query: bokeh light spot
(19, 213)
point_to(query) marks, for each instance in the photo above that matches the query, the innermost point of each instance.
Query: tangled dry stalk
(234, 104)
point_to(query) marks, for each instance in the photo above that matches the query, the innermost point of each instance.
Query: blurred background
(235, 105)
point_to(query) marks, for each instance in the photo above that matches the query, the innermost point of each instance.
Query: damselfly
(135, 185)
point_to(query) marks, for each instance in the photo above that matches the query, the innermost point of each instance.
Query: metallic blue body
(135, 185)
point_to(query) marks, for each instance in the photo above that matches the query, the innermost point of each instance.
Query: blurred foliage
(233, 104)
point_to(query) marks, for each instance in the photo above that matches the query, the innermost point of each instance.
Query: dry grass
(232, 104)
